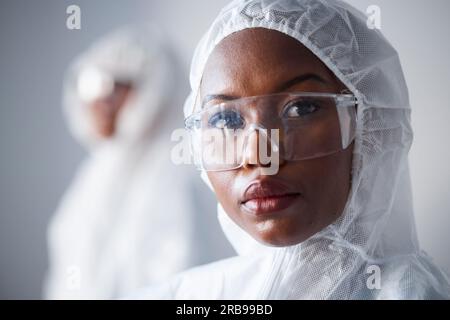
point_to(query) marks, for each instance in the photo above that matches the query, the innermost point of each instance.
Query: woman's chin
(273, 236)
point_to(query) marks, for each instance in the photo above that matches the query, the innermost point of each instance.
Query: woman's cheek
(222, 183)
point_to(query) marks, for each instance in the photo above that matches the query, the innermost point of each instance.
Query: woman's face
(304, 196)
(105, 110)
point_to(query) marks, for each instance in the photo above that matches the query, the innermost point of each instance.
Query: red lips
(268, 196)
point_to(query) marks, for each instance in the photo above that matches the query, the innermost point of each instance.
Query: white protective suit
(131, 217)
(376, 233)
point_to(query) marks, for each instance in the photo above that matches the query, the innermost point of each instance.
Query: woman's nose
(261, 148)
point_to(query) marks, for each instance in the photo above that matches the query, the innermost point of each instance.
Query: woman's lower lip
(268, 205)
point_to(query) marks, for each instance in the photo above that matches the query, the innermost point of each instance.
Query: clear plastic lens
(306, 125)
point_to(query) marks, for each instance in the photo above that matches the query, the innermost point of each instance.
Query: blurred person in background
(130, 217)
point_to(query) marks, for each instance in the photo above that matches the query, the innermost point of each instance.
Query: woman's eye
(226, 120)
(300, 109)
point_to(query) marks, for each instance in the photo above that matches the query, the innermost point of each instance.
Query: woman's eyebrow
(284, 86)
(302, 78)
(210, 97)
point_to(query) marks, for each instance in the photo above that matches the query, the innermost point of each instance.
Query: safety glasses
(261, 129)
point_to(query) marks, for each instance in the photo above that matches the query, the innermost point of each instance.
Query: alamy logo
(373, 13)
(73, 279)
(374, 279)
(73, 21)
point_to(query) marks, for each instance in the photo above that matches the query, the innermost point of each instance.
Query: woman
(116, 228)
(336, 220)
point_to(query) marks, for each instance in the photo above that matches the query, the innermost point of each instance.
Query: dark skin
(258, 62)
(106, 110)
